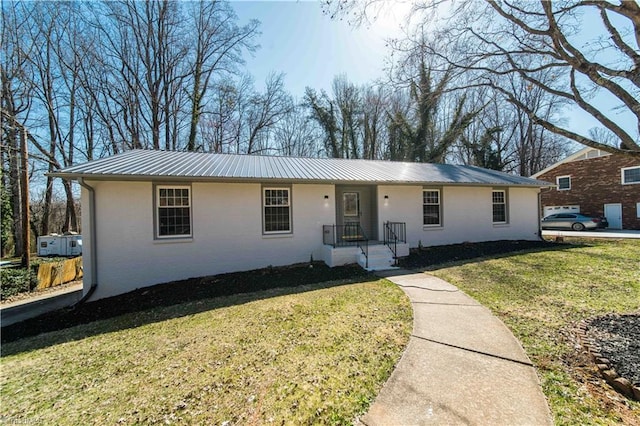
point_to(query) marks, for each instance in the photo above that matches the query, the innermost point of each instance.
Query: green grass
(541, 296)
(318, 356)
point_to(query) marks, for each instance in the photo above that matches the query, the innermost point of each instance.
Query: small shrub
(16, 280)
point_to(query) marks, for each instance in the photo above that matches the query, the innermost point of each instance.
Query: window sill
(501, 225)
(272, 236)
(173, 240)
(432, 227)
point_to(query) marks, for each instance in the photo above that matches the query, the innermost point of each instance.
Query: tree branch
(564, 132)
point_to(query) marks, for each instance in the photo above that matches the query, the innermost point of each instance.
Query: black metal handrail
(350, 234)
(394, 232)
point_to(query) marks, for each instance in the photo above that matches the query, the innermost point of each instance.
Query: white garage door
(560, 209)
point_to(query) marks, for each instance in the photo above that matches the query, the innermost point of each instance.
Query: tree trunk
(15, 193)
(71, 219)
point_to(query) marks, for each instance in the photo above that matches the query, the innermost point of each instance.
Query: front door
(613, 213)
(354, 211)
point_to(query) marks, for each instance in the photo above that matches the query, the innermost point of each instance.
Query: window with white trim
(499, 202)
(630, 175)
(276, 210)
(431, 212)
(173, 211)
(563, 183)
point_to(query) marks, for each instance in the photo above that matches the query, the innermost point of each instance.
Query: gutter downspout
(93, 245)
(540, 215)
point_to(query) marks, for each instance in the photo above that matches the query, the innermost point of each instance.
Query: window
(173, 211)
(630, 175)
(431, 207)
(563, 182)
(277, 210)
(499, 201)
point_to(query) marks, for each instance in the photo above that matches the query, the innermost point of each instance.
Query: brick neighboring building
(595, 183)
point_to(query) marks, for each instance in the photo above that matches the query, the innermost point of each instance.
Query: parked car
(573, 222)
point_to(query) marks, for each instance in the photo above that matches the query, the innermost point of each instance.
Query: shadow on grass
(173, 300)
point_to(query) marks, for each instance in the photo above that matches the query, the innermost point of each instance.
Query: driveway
(620, 233)
(21, 310)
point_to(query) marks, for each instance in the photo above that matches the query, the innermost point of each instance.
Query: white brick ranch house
(151, 217)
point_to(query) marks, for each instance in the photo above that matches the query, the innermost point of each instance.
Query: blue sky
(310, 48)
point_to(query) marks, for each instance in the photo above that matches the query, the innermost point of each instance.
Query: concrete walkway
(601, 233)
(461, 366)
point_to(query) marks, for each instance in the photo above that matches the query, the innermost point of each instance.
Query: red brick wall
(594, 183)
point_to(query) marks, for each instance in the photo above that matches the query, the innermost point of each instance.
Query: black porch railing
(350, 234)
(394, 233)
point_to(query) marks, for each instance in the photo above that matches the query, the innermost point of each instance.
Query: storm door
(354, 211)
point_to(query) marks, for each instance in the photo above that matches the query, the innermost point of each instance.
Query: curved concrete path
(461, 366)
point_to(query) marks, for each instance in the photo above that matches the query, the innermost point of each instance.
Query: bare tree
(217, 126)
(17, 86)
(323, 111)
(296, 135)
(352, 119)
(521, 40)
(55, 79)
(503, 137)
(148, 47)
(435, 119)
(373, 113)
(348, 102)
(266, 109)
(219, 42)
(497, 38)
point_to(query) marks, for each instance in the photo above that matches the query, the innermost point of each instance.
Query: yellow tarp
(57, 273)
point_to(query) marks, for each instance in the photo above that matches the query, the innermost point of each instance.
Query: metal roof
(173, 165)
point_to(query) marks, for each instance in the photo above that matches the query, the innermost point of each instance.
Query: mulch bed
(614, 343)
(618, 337)
(426, 257)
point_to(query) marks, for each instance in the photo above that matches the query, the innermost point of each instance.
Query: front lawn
(317, 356)
(314, 354)
(541, 296)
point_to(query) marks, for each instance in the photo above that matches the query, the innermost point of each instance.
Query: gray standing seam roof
(168, 165)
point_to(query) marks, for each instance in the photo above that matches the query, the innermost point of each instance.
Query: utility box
(60, 245)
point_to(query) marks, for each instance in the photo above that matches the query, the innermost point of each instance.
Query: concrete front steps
(380, 258)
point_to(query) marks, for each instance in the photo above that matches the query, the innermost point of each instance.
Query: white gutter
(93, 245)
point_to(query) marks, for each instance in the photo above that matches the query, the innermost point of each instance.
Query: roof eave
(159, 178)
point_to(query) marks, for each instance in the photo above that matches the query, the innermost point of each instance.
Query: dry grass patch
(315, 357)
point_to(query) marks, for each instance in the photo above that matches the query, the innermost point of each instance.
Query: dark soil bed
(617, 337)
(426, 257)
